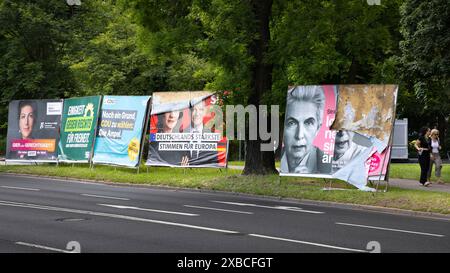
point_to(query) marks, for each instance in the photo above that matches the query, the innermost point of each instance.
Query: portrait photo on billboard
(33, 130)
(308, 143)
(347, 146)
(183, 131)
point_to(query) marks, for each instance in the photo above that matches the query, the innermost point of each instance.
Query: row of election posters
(111, 130)
(330, 131)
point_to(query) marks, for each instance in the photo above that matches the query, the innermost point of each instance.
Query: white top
(353, 151)
(434, 146)
(305, 166)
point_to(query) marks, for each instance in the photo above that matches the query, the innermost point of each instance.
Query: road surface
(51, 215)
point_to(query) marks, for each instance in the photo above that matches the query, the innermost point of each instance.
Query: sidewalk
(415, 185)
(398, 183)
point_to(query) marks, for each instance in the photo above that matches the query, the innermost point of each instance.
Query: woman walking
(435, 145)
(423, 149)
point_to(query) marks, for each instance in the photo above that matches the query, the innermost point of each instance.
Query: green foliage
(205, 43)
(111, 62)
(425, 62)
(32, 42)
(133, 47)
(426, 57)
(329, 42)
(189, 73)
(2, 145)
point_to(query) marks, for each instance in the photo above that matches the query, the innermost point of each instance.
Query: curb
(367, 208)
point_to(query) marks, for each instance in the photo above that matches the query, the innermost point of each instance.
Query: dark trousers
(424, 161)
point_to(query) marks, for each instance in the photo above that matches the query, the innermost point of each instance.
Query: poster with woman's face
(331, 131)
(310, 147)
(33, 130)
(183, 131)
(308, 142)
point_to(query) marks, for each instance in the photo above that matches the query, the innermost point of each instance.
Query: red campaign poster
(185, 131)
(376, 164)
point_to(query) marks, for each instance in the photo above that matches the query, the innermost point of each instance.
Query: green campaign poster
(79, 121)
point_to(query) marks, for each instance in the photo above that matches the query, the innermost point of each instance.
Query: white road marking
(391, 229)
(19, 188)
(296, 209)
(151, 210)
(105, 197)
(110, 215)
(226, 210)
(43, 247)
(307, 243)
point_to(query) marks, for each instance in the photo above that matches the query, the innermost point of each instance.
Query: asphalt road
(44, 215)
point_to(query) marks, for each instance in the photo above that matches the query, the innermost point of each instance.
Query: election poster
(347, 146)
(120, 130)
(378, 164)
(329, 136)
(308, 142)
(33, 130)
(367, 110)
(186, 130)
(78, 127)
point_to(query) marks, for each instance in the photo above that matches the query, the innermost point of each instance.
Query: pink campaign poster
(308, 143)
(311, 148)
(376, 164)
(325, 137)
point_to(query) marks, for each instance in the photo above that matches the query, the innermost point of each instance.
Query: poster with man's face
(347, 146)
(310, 147)
(185, 130)
(368, 110)
(316, 144)
(33, 130)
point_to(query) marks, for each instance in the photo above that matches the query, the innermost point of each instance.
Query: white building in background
(400, 139)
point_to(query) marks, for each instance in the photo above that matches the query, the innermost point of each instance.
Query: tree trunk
(257, 161)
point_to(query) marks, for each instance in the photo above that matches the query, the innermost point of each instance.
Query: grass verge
(412, 171)
(232, 181)
(397, 170)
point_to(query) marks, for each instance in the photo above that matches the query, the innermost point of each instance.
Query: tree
(334, 42)
(258, 48)
(426, 58)
(32, 43)
(257, 161)
(50, 50)
(233, 35)
(109, 61)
